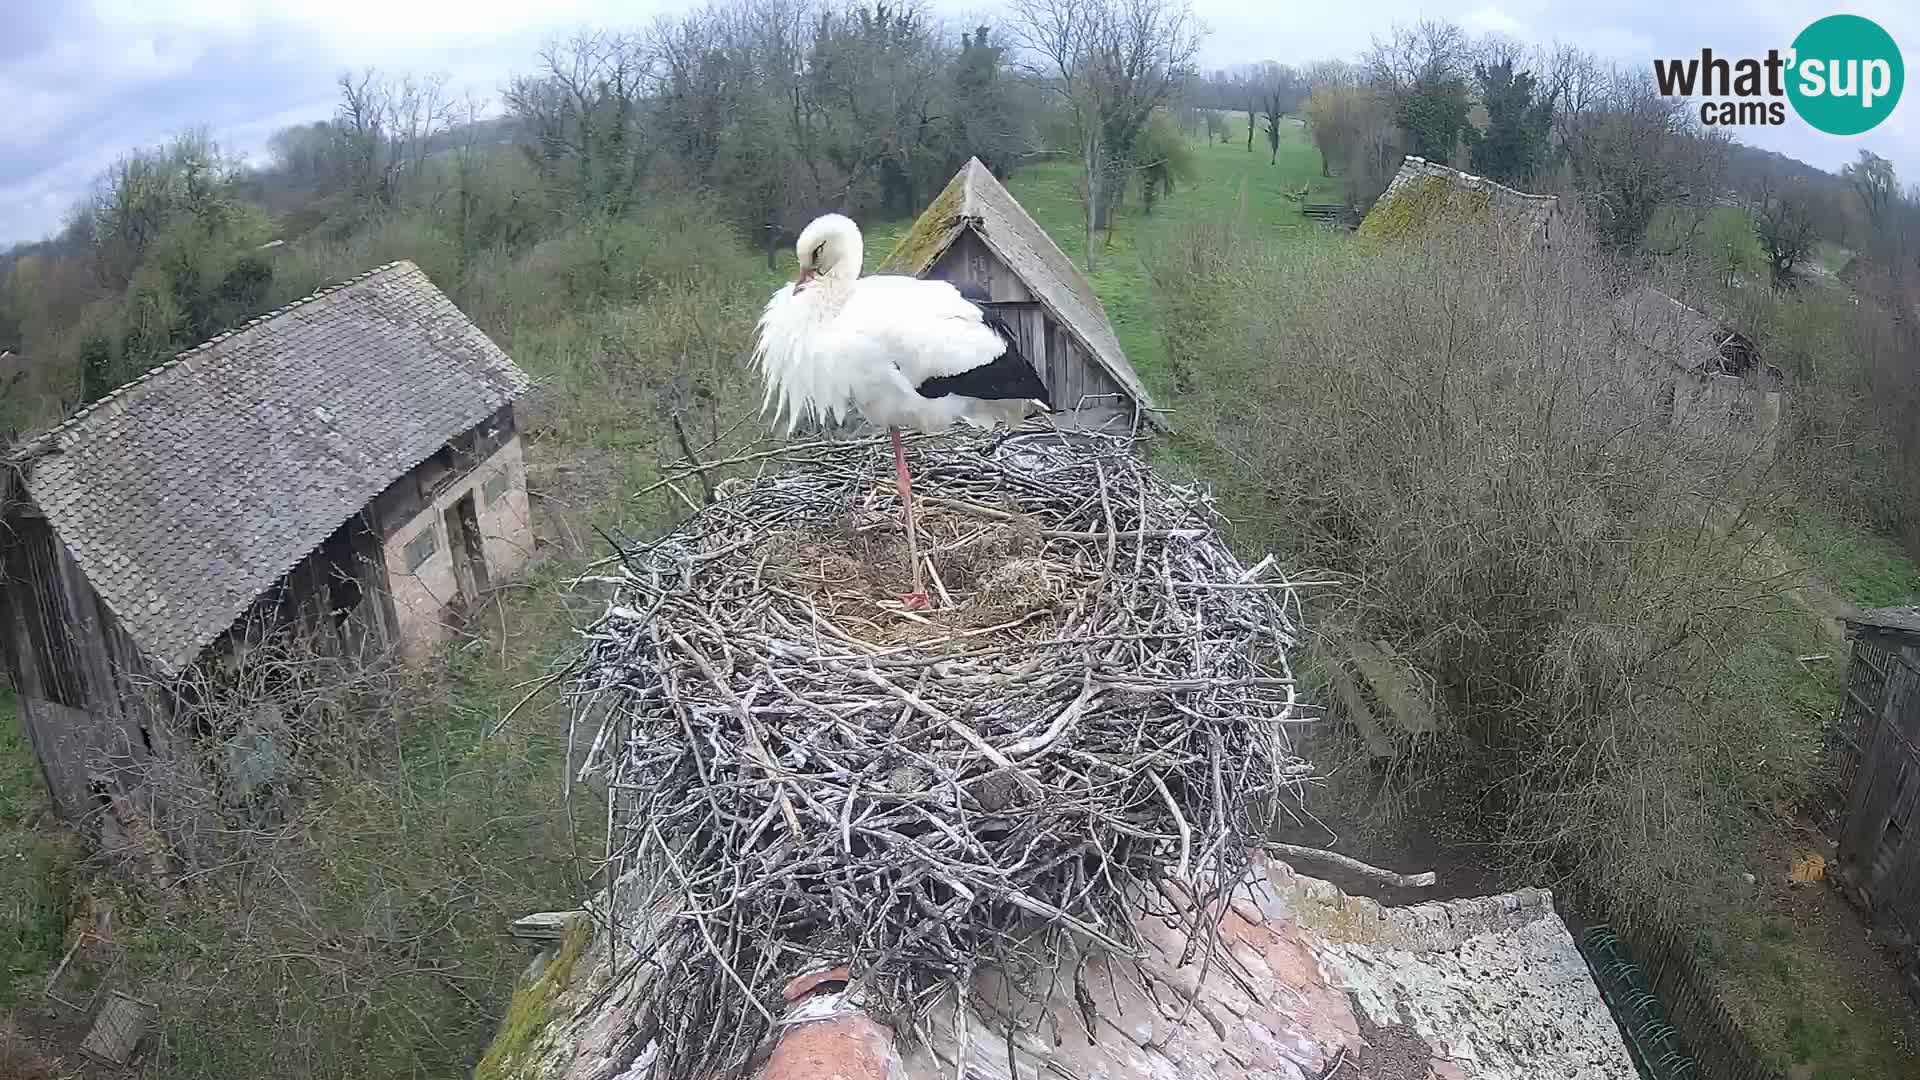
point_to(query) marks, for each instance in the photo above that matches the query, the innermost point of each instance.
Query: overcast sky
(83, 81)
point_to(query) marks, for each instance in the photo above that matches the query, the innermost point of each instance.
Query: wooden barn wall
(970, 262)
(1068, 368)
(90, 703)
(1880, 832)
(397, 507)
(337, 594)
(81, 682)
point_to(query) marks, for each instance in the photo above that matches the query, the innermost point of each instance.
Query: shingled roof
(1663, 325)
(1420, 187)
(975, 200)
(1310, 982)
(188, 492)
(1904, 618)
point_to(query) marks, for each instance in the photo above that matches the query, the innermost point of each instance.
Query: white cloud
(1492, 20)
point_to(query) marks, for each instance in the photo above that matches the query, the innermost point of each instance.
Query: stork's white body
(903, 352)
(869, 344)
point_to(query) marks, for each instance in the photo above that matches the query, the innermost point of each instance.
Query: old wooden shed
(348, 465)
(1710, 375)
(976, 235)
(1879, 857)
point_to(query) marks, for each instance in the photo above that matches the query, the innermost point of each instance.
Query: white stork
(904, 352)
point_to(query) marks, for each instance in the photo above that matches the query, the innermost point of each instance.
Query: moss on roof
(930, 233)
(511, 1055)
(1418, 201)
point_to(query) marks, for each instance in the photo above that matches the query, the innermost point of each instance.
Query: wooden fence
(1879, 769)
(1330, 214)
(1675, 1025)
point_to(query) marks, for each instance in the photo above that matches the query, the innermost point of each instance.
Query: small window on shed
(495, 487)
(421, 547)
(434, 473)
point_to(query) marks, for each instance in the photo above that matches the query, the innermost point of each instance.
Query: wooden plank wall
(92, 707)
(1880, 832)
(80, 679)
(1069, 370)
(1860, 701)
(1718, 1047)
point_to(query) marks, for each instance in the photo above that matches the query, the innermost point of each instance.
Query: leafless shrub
(239, 739)
(1450, 423)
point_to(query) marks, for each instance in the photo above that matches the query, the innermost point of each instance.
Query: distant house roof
(188, 492)
(1422, 186)
(1691, 339)
(1905, 618)
(1310, 982)
(975, 200)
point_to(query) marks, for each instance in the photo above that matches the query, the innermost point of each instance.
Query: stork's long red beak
(801, 282)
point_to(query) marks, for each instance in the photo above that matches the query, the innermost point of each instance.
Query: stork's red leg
(917, 599)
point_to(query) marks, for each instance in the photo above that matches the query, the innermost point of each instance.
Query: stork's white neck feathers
(802, 378)
(829, 250)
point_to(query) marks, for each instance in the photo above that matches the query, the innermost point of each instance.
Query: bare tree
(1424, 69)
(1281, 89)
(1635, 151)
(1111, 63)
(582, 111)
(1577, 83)
(141, 194)
(1331, 73)
(1872, 179)
(1783, 223)
(1878, 191)
(1431, 50)
(387, 125)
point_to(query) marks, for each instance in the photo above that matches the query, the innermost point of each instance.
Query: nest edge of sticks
(800, 774)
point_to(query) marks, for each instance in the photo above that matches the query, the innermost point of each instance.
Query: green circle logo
(1846, 74)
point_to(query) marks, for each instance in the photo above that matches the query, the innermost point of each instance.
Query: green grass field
(1228, 180)
(36, 867)
(1866, 569)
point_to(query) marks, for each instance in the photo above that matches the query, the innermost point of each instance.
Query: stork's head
(829, 247)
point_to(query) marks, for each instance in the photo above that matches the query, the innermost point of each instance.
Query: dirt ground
(1393, 1052)
(38, 1043)
(1803, 972)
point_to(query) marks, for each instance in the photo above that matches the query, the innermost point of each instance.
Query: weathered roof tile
(194, 491)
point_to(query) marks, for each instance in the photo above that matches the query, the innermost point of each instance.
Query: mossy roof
(1423, 188)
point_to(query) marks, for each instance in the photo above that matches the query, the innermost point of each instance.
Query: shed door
(1028, 323)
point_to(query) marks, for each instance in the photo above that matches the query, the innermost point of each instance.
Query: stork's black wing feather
(1007, 377)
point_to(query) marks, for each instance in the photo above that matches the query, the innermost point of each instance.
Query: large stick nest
(802, 773)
